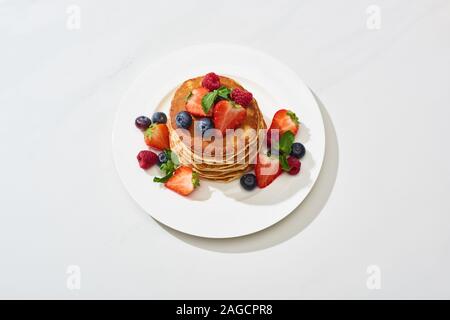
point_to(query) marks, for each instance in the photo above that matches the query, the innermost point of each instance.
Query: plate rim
(247, 49)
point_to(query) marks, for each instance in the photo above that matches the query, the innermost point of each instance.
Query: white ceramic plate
(218, 210)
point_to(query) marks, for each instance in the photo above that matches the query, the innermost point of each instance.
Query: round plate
(218, 210)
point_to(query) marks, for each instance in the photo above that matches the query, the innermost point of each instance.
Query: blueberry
(159, 117)
(203, 124)
(142, 122)
(248, 181)
(162, 158)
(183, 120)
(298, 150)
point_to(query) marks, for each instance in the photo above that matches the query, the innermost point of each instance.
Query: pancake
(219, 160)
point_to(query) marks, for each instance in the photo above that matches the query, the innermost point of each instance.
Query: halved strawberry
(183, 181)
(267, 169)
(285, 120)
(157, 136)
(228, 115)
(194, 103)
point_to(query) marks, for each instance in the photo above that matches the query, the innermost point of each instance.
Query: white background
(382, 198)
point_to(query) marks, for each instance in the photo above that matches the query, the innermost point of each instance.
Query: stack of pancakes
(213, 158)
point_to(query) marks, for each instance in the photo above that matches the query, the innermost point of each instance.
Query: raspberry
(241, 97)
(295, 165)
(211, 81)
(146, 159)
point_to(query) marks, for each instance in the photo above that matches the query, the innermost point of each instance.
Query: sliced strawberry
(267, 169)
(157, 136)
(272, 138)
(228, 115)
(183, 181)
(194, 103)
(285, 120)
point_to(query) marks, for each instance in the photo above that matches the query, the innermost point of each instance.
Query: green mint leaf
(224, 93)
(168, 167)
(283, 162)
(175, 160)
(208, 101)
(286, 141)
(172, 156)
(168, 154)
(163, 179)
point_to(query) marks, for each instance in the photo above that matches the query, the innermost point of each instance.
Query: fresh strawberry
(194, 103)
(285, 120)
(272, 138)
(157, 136)
(183, 181)
(228, 115)
(267, 169)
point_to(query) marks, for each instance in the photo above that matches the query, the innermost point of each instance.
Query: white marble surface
(382, 199)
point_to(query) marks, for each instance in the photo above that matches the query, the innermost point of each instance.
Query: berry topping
(146, 159)
(142, 122)
(159, 117)
(194, 103)
(248, 181)
(285, 120)
(242, 97)
(211, 97)
(267, 169)
(203, 124)
(157, 136)
(294, 164)
(228, 115)
(211, 81)
(183, 181)
(162, 158)
(298, 150)
(183, 120)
